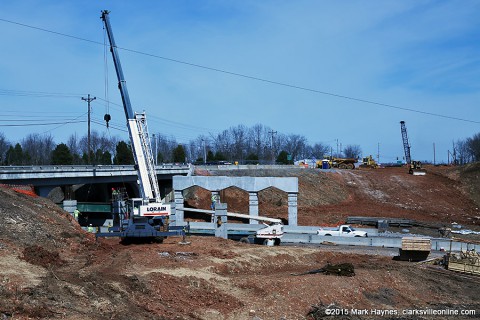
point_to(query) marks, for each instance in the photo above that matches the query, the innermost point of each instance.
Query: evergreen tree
(283, 158)
(252, 158)
(106, 158)
(160, 158)
(219, 156)
(179, 154)
(61, 155)
(15, 156)
(123, 154)
(210, 156)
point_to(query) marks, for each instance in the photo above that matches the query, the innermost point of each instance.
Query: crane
(146, 216)
(415, 167)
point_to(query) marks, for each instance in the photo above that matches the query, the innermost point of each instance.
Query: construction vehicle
(270, 234)
(147, 216)
(339, 163)
(342, 231)
(369, 162)
(414, 167)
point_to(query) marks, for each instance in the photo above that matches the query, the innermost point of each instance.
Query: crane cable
(107, 116)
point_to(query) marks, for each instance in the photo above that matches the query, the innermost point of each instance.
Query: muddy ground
(51, 269)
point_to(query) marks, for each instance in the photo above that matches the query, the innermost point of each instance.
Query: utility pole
(204, 151)
(337, 149)
(88, 99)
(434, 153)
(273, 148)
(378, 152)
(156, 152)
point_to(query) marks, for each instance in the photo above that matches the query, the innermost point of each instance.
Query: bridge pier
(250, 184)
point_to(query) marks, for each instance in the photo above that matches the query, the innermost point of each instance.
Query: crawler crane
(415, 167)
(147, 216)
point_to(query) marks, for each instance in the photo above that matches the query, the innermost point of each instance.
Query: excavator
(147, 216)
(414, 167)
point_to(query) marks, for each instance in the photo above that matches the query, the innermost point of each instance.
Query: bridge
(46, 178)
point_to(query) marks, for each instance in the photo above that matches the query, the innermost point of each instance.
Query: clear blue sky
(416, 55)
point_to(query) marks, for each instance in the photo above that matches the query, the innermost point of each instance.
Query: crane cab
(138, 207)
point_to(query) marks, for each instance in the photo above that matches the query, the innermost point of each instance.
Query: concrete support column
(292, 209)
(253, 206)
(220, 220)
(179, 213)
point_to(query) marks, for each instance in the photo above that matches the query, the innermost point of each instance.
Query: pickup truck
(343, 231)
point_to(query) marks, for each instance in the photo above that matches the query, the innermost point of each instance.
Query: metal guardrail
(8, 169)
(307, 235)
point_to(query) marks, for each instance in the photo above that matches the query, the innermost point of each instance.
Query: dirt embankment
(51, 269)
(443, 196)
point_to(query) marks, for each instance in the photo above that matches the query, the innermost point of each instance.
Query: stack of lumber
(415, 249)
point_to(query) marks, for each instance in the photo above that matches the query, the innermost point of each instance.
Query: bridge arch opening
(273, 203)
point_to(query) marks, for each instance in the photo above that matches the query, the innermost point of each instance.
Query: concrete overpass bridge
(87, 182)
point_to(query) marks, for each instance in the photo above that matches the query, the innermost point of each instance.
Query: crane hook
(107, 118)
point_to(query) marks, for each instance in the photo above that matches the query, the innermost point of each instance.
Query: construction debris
(342, 269)
(466, 262)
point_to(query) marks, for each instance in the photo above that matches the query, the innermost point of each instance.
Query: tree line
(258, 144)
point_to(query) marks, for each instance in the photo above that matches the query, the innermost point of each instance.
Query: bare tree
(295, 145)
(4, 145)
(166, 146)
(474, 147)
(259, 138)
(39, 148)
(102, 142)
(239, 142)
(320, 150)
(462, 151)
(352, 151)
(223, 144)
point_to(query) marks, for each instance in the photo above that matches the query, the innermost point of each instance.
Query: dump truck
(343, 231)
(339, 163)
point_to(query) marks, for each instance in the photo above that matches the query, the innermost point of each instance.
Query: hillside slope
(443, 196)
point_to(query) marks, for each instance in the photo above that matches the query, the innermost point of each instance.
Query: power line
(65, 123)
(170, 122)
(39, 124)
(380, 104)
(38, 94)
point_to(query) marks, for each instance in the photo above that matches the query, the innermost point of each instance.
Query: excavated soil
(51, 269)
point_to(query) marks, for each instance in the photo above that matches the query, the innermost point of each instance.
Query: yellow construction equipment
(369, 162)
(340, 163)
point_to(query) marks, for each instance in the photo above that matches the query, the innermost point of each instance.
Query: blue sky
(402, 55)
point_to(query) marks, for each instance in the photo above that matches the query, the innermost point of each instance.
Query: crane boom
(137, 129)
(406, 145)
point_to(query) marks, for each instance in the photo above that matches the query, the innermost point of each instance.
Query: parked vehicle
(343, 231)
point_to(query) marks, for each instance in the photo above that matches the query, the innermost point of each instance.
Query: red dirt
(50, 268)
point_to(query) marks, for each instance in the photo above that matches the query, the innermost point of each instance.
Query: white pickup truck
(343, 231)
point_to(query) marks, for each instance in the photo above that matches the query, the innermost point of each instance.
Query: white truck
(343, 231)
